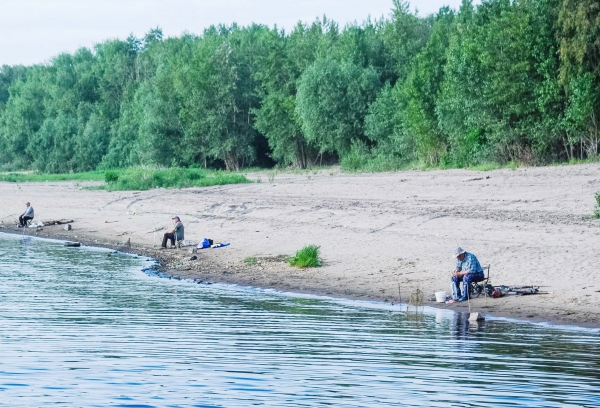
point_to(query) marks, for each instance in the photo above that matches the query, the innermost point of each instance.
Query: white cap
(457, 252)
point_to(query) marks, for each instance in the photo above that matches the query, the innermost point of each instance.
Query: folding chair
(178, 242)
(27, 224)
(477, 288)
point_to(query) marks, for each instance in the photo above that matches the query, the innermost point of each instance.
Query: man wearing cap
(467, 270)
(176, 234)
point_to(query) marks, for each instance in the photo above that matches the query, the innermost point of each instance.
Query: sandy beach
(382, 236)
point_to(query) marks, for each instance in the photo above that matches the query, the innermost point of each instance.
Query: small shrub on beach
(597, 209)
(250, 261)
(307, 257)
(111, 176)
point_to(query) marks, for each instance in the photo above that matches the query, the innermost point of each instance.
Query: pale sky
(33, 31)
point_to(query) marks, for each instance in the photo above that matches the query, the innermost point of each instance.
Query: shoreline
(167, 259)
(382, 236)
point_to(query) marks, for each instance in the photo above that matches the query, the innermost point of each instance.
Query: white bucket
(440, 297)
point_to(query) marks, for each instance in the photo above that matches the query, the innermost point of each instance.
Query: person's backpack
(206, 243)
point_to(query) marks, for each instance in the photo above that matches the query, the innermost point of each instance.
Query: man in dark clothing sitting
(176, 234)
(26, 216)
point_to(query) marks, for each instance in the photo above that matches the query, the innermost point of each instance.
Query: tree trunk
(232, 162)
(567, 144)
(594, 136)
(300, 154)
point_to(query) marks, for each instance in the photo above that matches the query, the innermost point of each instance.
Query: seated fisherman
(26, 216)
(176, 234)
(467, 270)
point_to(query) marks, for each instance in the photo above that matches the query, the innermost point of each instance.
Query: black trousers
(168, 236)
(23, 220)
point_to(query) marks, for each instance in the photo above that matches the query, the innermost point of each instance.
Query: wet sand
(382, 236)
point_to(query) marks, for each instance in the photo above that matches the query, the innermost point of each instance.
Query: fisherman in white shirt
(26, 216)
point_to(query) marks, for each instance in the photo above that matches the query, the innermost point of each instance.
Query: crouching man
(468, 270)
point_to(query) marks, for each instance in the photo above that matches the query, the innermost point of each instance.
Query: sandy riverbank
(377, 232)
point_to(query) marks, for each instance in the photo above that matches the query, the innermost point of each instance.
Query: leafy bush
(307, 257)
(146, 179)
(356, 159)
(111, 176)
(10, 177)
(597, 209)
(360, 159)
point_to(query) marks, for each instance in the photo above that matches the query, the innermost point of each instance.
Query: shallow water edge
(214, 272)
(88, 324)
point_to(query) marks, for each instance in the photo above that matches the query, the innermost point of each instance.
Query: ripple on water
(76, 325)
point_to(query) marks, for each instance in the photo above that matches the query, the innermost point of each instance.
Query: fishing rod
(10, 215)
(155, 230)
(153, 233)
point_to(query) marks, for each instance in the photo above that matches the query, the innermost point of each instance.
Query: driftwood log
(57, 222)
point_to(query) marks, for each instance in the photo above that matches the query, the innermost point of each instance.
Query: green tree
(404, 36)
(385, 126)
(423, 89)
(332, 102)
(461, 100)
(218, 89)
(115, 73)
(52, 146)
(8, 76)
(91, 142)
(276, 118)
(579, 51)
(22, 118)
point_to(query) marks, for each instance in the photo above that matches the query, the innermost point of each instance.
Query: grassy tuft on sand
(307, 257)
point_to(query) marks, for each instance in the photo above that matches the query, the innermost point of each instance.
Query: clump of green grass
(360, 161)
(307, 257)
(137, 178)
(512, 165)
(250, 261)
(147, 179)
(23, 177)
(111, 176)
(597, 209)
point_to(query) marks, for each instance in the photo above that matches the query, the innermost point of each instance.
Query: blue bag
(206, 243)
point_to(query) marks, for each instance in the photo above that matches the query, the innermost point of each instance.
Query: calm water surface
(79, 327)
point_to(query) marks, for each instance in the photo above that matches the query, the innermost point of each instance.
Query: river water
(87, 327)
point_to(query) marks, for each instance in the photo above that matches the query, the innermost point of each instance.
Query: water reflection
(79, 325)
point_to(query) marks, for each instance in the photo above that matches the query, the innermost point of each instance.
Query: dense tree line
(503, 81)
